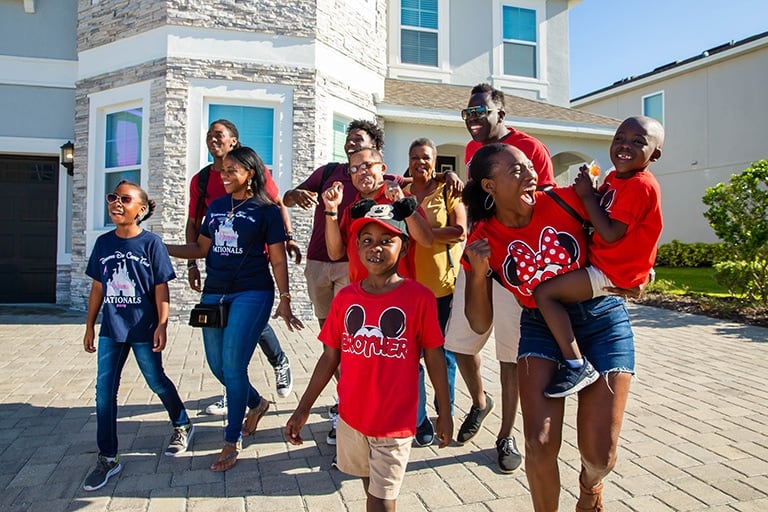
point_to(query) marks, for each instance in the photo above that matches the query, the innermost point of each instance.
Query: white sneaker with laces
(218, 408)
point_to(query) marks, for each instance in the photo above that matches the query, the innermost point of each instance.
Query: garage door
(28, 228)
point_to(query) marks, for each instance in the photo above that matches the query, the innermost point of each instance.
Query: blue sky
(614, 39)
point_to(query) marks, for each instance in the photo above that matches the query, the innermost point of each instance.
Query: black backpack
(329, 167)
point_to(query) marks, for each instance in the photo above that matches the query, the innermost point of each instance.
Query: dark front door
(28, 228)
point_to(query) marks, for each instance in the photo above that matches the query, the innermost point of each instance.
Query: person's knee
(541, 446)
(597, 460)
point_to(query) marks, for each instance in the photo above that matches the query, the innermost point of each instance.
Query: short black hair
(497, 96)
(372, 128)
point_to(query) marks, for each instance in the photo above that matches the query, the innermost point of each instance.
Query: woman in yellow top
(436, 266)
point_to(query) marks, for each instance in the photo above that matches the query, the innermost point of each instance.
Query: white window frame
(642, 104)
(502, 81)
(100, 105)
(203, 93)
(399, 69)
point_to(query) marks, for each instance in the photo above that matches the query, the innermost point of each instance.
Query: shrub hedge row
(697, 254)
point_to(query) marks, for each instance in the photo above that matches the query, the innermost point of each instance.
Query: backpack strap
(585, 224)
(329, 167)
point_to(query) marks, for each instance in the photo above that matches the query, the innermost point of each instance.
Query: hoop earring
(488, 206)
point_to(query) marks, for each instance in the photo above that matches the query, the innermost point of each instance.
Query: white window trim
(278, 97)
(657, 93)
(101, 104)
(500, 80)
(399, 69)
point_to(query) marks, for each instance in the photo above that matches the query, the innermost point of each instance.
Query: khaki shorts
(599, 281)
(324, 280)
(380, 459)
(459, 336)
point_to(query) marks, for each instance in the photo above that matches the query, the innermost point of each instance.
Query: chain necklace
(232, 210)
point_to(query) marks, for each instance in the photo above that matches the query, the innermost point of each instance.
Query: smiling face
(380, 248)
(511, 182)
(127, 207)
(637, 143)
(367, 181)
(421, 163)
(484, 125)
(235, 176)
(357, 139)
(220, 140)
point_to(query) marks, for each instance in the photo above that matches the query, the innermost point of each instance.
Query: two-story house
(715, 113)
(146, 78)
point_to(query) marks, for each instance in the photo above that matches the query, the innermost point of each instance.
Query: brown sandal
(227, 458)
(253, 417)
(594, 495)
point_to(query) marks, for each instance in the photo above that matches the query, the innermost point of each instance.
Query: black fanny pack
(209, 315)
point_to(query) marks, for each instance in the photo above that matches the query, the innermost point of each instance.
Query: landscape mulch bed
(726, 308)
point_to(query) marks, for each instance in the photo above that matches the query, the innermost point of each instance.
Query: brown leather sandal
(227, 458)
(593, 495)
(253, 417)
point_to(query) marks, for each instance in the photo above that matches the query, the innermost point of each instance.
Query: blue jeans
(443, 314)
(111, 360)
(270, 345)
(229, 350)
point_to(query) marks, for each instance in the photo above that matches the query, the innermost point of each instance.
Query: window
(256, 126)
(653, 106)
(418, 36)
(339, 139)
(122, 151)
(520, 44)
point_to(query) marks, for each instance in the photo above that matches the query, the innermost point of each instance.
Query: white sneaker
(218, 408)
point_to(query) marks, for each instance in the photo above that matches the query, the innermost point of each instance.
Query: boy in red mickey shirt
(626, 215)
(377, 329)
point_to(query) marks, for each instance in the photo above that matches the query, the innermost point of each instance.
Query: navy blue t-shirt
(253, 225)
(128, 270)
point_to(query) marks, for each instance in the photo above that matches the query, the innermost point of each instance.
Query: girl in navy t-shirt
(130, 268)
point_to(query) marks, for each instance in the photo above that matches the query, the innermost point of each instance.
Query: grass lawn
(680, 280)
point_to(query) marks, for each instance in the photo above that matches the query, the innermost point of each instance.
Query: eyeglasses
(476, 112)
(364, 166)
(124, 199)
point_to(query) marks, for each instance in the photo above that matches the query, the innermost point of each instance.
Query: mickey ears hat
(390, 216)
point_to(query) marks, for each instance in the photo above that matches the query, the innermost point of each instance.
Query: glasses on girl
(476, 112)
(124, 199)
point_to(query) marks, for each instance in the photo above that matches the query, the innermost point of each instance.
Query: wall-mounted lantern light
(67, 158)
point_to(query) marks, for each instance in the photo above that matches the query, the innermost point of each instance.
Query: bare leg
(374, 504)
(509, 395)
(469, 366)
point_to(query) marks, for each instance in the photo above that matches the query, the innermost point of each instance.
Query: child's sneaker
(100, 475)
(180, 440)
(218, 408)
(571, 380)
(425, 433)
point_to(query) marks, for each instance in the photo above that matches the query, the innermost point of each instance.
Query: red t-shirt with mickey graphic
(552, 243)
(381, 337)
(636, 202)
(357, 271)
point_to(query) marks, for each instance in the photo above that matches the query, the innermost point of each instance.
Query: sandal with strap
(594, 495)
(227, 458)
(253, 417)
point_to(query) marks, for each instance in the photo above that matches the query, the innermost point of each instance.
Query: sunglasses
(364, 166)
(476, 112)
(124, 199)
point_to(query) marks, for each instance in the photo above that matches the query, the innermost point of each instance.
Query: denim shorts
(602, 330)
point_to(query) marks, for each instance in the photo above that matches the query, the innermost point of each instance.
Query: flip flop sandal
(253, 417)
(227, 458)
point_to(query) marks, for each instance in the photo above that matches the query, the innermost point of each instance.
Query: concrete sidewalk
(695, 435)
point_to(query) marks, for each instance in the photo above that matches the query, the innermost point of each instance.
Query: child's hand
(392, 191)
(332, 196)
(479, 254)
(444, 430)
(293, 427)
(89, 340)
(159, 339)
(584, 185)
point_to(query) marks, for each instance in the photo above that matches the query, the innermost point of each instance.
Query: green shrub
(697, 254)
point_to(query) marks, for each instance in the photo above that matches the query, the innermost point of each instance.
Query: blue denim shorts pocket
(602, 330)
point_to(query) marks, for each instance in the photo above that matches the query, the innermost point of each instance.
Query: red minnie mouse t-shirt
(553, 243)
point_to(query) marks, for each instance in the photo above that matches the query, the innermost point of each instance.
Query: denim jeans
(443, 314)
(229, 350)
(111, 359)
(270, 345)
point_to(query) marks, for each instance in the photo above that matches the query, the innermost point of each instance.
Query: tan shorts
(599, 281)
(324, 280)
(380, 459)
(459, 336)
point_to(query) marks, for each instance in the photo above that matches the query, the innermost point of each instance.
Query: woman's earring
(489, 205)
(250, 189)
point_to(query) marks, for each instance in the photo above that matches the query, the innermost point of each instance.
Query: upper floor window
(418, 35)
(339, 139)
(653, 106)
(520, 43)
(122, 151)
(256, 126)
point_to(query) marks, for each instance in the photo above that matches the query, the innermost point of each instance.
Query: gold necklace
(232, 211)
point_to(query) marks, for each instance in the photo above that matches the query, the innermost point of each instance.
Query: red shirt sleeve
(270, 185)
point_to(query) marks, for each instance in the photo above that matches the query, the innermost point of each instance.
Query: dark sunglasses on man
(476, 112)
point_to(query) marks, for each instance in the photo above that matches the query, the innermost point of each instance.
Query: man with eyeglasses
(366, 168)
(484, 119)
